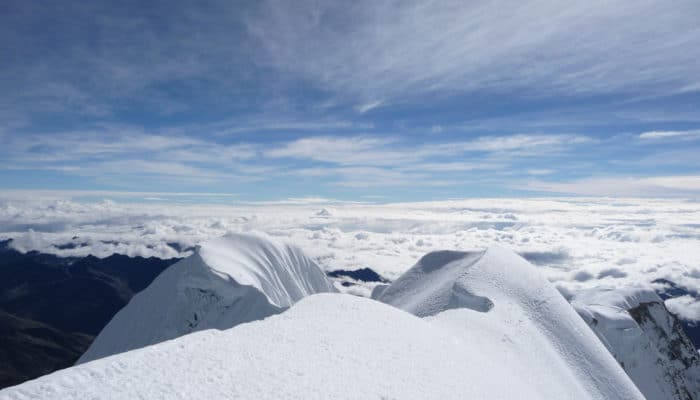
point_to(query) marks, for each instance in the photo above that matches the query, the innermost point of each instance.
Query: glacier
(227, 281)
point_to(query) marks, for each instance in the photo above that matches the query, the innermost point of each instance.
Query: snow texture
(330, 346)
(230, 280)
(503, 307)
(645, 338)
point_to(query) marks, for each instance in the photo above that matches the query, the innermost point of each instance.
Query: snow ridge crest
(228, 281)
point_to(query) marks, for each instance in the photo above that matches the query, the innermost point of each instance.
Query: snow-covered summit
(327, 346)
(502, 304)
(645, 338)
(485, 324)
(229, 280)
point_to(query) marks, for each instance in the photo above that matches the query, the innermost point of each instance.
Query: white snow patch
(327, 346)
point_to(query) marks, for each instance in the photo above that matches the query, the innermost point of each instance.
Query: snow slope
(230, 280)
(327, 346)
(645, 338)
(503, 307)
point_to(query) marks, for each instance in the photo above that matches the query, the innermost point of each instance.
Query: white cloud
(657, 135)
(523, 144)
(686, 307)
(310, 200)
(19, 195)
(381, 50)
(577, 243)
(388, 151)
(363, 108)
(660, 186)
(540, 171)
(451, 166)
(368, 177)
(116, 154)
(340, 150)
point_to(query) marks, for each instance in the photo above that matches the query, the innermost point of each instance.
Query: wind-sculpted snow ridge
(230, 280)
(503, 307)
(327, 346)
(645, 338)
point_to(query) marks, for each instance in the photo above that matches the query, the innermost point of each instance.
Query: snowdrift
(230, 280)
(503, 307)
(327, 346)
(645, 338)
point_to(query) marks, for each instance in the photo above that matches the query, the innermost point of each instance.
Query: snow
(645, 338)
(327, 346)
(283, 273)
(503, 306)
(625, 298)
(229, 280)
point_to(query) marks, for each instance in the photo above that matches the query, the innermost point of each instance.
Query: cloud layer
(577, 243)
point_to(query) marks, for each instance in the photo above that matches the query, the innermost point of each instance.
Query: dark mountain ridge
(52, 307)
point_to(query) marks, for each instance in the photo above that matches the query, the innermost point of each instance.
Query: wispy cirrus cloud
(365, 161)
(366, 150)
(117, 154)
(377, 93)
(339, 150)
(655, 186)
(518, 144)
(381, 52)
(663, 135)
(95, 60)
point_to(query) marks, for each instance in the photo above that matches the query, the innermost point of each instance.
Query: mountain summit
(501, 304)
(492, 327)
(228, 281)
(482, 324)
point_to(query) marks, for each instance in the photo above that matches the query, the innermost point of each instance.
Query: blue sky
(369, 101)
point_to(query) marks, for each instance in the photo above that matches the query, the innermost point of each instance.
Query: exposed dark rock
(362, 274)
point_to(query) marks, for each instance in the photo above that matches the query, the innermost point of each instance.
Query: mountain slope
(31, 349)
(230, 280)
(498, 301)
(52, 307)
(72, 294)
(645, 338)
(327, 346)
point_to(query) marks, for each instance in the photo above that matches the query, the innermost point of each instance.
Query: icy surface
(229, 280)
(645, 338)
(503, 307)
(328, 346)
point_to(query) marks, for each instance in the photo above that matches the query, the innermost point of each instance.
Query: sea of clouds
(577, 243)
